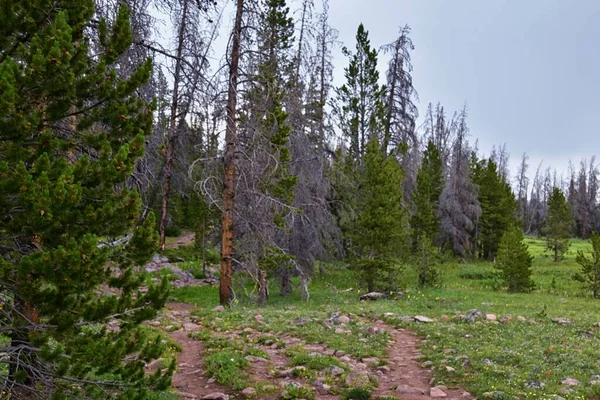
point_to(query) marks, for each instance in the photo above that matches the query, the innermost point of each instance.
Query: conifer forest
(191, 207)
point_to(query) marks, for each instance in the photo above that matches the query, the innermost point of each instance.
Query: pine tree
(359, 106)
(380, 231)
(498, 207)
(71, 131)
(426, 198)
(590, 267)
(558, 224)
(514, 262)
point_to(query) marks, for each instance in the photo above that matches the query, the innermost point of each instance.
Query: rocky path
(406, 379)
(189, 379)
(399, 376)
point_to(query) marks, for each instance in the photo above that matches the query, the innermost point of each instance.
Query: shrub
(514, 262)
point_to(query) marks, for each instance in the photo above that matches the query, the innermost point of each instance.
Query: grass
(513, 358)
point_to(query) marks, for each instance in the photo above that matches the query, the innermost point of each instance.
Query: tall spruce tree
(359, 106)
(380, 230)
(71, 131)
(426, 198)
(558, 224)
(498, 207)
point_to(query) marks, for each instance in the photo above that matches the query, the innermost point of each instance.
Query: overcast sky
(529, 70)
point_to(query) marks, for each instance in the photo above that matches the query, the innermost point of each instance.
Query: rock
(259, 318)
(487, 361)
(491, 317)
(248, 330)
(334, 370)
(466, 395)
(535, 385)
(340, 353)
(154, 323)
(444, 318)
(450, 369)
(406, 389)
(358, 379)
(596, 325)
(342, 319)
(249, 392)
(187, 396)
(570, 382)
(302, 321)
(423, 319)
(210, 381)
(427, 364)
(495, 395)
(561, 321)
(554, 397)
(285, 373)
(406, 318)
(473, 315)
(384, 368)
(521, 318)
(255, 359)
(388, 314)
(371, 330)
(216, 396)
(436, 391)
(190, 327)
(371, 360)
(341, 331)
(322, 388)
(219, 309)
(505, 319)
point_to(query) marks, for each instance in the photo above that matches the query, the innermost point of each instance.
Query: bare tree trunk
(263, 290)
(286, 283)
(225, 292)
(172, 132)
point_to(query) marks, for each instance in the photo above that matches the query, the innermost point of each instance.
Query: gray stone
(190, 327)
(423, 319)
(570, 382)
(406, 389)
(216, 396)
(535, 385)
(334, 370)
(491, 317)
(255, 359)
(219, 309)
(342, 319)
(371, 360)
(561, 321)
(437, 391)
(249, 392)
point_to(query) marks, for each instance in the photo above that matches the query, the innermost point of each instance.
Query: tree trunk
(225, 293)
(263, 290)
(172, 132)
(286, 283)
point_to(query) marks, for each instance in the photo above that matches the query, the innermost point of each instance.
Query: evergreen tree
(380, 231)
(558, 224)
(514, 262)
(498, 207)
(359, 107)
(590, 267)
(71, 131)
(426, 198)
(425, 259)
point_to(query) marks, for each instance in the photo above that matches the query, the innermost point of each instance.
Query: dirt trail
(184, 240)
(402, 378)
(406, 379)
(189, 378)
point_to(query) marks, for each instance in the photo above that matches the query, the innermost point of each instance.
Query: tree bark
(172, 132)
(225, 292)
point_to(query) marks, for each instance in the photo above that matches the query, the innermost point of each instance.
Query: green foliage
(558, 224)
(430, 182)
(425, 260)
(498, 207)
(514, 262)
(71, 132)
(227, 367)
(590, 267)
(359, 107)
(379, 236)
(357, 393)
(293, 391)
